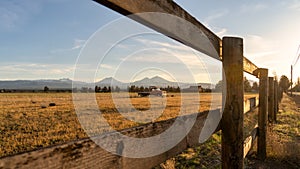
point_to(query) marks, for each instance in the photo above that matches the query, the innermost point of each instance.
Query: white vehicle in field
(154, 92)
(158, 92)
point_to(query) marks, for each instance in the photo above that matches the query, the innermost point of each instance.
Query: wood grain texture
(249, 141)
(263, 111)
(271, 107)
(233, 115)
(276, 100)
(249, 67)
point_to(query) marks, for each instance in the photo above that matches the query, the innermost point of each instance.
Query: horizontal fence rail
(127, 7)
(249, 67)
(250, 104)
(249, 141)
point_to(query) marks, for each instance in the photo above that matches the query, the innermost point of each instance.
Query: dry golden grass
(25, 125)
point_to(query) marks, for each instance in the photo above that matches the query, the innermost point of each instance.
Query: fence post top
(261, 72)
(231, 38)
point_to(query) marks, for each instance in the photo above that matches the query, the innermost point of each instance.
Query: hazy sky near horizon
(43, 39)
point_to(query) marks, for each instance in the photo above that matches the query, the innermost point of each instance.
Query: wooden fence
(86, 154)
(230, 52)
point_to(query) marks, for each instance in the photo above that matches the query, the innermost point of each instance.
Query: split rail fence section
(85, 153)
(230, 50)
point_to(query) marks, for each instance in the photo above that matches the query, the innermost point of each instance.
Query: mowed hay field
(27, 121)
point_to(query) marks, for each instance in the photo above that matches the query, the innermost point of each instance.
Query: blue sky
(43, 39)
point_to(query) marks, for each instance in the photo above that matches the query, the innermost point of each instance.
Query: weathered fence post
(262, 114)
(276, 99)
(271, 105)
(280, 92)
(232, 121)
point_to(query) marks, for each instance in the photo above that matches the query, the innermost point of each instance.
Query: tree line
(108, 89)
(247, 86)
(284, 84)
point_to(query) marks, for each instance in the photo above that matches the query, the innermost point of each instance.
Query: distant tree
(284, 83)
(247, 86)
(46, 89)
(142, 89)
(97, 89)
(169, 89)
(109, 89)
(255, 86)
(219, 86)
(104, 89)
(132, 88)
(173, 89)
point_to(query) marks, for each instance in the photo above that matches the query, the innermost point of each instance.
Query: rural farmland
(26, 125)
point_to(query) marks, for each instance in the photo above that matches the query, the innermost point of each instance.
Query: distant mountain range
(67, 83)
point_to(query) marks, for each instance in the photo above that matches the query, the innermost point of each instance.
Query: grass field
(26, 125)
